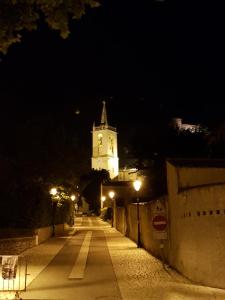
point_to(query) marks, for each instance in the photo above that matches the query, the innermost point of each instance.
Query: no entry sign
(159, 222)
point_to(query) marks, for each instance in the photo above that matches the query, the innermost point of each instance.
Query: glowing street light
(53, 191)
(137, 185)
(72, 197)
(111, 196)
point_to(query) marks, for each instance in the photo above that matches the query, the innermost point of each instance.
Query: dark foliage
(17, 15)
(36, 153)
(92, 191)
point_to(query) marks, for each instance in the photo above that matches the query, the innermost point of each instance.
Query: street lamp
(73, 197)
(111, 196)
(53, 192)
(137, 185)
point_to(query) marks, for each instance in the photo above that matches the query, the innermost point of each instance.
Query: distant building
(177, 123)
(127, 174)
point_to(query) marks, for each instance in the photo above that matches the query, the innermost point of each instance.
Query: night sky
(148, 59)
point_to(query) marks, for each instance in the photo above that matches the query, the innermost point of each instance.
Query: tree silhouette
(17, 15)
(92, 185)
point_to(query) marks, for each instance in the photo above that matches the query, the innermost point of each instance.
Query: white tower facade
(104, 147)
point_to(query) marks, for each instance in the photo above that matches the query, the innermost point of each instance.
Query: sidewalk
(140, 276)
(37, 259)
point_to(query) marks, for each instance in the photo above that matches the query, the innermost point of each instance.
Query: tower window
(100, 139)
(111, 144)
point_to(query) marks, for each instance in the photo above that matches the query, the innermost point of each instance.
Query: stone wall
(197, 222)
(14, 246)
(18, 245)
(42, 234)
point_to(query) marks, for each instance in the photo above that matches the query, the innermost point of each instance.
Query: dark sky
(150, 59)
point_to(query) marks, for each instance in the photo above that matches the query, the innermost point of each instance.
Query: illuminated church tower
(104, 147)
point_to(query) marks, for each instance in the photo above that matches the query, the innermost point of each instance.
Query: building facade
(178, 123)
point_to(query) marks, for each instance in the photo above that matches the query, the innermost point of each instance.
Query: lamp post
(73, 197)
(53, 192)
(137, 185)
(111, 196)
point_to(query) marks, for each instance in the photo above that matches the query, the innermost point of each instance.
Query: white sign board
(159, 220)
(9, 266)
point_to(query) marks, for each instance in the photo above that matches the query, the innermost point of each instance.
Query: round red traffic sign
(159, 222)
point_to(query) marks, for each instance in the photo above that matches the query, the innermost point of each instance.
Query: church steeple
(104, 115)
(104, 146)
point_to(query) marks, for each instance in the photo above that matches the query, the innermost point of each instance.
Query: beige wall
(148, 240)
(121, 220)
(197, 222)
(125, 192)
(202, 176)
(45, 233)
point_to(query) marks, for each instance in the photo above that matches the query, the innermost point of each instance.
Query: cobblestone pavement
(141, 276)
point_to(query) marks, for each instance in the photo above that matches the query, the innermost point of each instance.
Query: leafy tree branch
(19, 15)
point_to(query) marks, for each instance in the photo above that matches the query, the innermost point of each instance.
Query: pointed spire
(104, 115)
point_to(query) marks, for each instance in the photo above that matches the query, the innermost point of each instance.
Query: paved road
(99, 280)
(115, 269)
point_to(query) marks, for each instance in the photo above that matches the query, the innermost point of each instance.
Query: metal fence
(13, 273)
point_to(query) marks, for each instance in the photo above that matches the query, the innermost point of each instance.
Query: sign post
(159, 224)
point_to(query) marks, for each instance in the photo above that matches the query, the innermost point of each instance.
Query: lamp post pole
(54, 205)
(111, 195)
(73, 198)
(137, 186)
(138, 223)
(53, 192)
